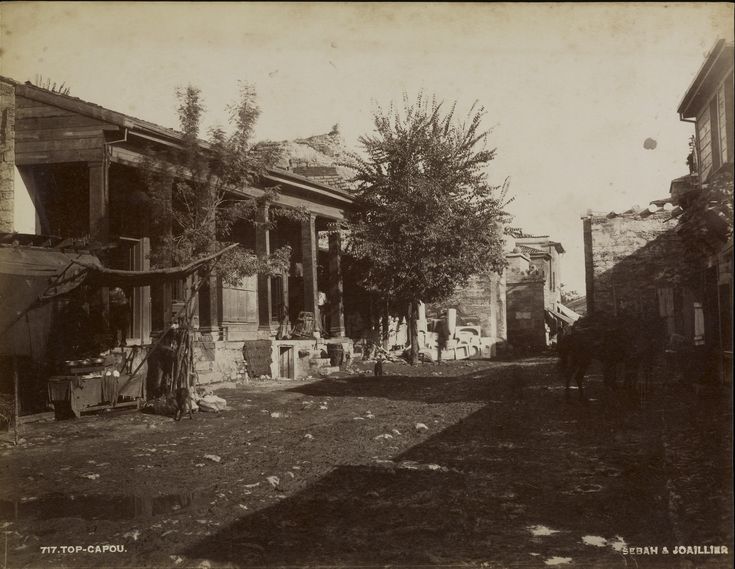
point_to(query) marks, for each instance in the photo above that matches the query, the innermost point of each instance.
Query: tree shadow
(468, 493)
(474, 386)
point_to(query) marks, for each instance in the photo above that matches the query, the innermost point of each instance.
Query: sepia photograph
(366, 285)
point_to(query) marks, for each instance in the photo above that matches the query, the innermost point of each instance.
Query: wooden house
(76, 167)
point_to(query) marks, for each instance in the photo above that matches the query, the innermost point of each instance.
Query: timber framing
(52, 128)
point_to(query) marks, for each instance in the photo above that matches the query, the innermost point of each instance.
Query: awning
(560, 318)
(98, 275)
(568, 312)
(29, 276)
(32, 276)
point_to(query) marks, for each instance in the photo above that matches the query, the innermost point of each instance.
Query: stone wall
(480, 302)
(525, 311)
(7, 156)
(627, 257)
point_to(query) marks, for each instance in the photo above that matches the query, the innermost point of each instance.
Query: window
(704, 138)
(722, 123)
(714, 131)
(239, 303)
(698, 324)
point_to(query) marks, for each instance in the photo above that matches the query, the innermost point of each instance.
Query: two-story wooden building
(704, 198)
(72, 168)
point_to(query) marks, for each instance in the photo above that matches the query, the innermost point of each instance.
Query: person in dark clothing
(442, 337)
(119, 316)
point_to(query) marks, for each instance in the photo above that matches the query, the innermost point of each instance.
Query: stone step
(320, 362)
(327, 370)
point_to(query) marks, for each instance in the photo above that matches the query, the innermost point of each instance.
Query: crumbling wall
(525, 310)
(479, 302)
(7, 156)
(627, 257)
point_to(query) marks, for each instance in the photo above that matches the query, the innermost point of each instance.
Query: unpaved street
(503, 473)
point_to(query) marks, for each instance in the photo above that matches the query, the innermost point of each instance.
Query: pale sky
(571, 90)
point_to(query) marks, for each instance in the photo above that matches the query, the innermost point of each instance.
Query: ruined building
(534, 311)
(673, 259)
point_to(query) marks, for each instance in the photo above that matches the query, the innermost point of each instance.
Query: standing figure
(378, 371)
(442, 338)
(283, 323)
(119, 317)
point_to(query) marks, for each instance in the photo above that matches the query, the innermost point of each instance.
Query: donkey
(631, 341)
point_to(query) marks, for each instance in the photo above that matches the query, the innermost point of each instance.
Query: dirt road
(466, 463)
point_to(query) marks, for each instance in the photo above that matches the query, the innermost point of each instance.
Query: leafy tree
(193, 190)
(425, 219)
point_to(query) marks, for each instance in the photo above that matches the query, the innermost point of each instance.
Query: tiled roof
(530, 250)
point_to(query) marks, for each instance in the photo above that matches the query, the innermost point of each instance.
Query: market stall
(93, 385)
(57, 318)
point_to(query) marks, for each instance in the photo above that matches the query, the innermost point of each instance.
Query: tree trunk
(370, 348)
(385, 327)
(16, 400)
(414, 332)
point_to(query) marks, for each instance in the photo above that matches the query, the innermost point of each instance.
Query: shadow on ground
(471, 492)
(430, 388)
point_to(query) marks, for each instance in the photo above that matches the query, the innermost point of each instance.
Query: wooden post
(16, 399)
(263, 249)
(99, 201)
(309, 258)
(336, 301)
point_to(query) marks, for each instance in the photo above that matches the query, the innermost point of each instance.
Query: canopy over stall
(31, 276)
(97, 275)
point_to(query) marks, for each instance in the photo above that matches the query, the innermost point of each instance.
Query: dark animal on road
(183, 403)
(378, 370)
(633, 342)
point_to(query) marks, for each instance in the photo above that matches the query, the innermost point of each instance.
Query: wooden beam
(294, 202)
(70, 121)
(96, 141)
(59, 134)
(41, 111)
(128, 157)
(58, 156)
(295, 186)
(99, 201)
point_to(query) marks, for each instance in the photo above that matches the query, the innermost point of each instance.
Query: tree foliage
(193, 190)
(426, 218)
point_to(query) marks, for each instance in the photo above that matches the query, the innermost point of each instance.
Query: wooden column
(99, 201)
(263, 249)
(336, 304)
(142, 295)
(284, 293)
(207, 307)
(309, 260)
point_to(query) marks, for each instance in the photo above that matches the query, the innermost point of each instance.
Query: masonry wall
(482, 302)
(7, 156)
(525, 312)
(627, 258)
